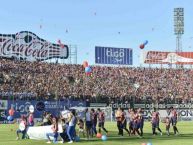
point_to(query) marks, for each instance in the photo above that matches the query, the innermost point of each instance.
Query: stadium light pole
(178, 27)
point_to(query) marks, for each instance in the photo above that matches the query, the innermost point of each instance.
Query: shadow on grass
(147, 136)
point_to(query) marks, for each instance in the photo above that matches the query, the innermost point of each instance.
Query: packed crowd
(40, 80)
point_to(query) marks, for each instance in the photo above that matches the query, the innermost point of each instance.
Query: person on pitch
(63, 134)
(140, 121)
(136, 124)
(130, 119)
(119, 123)
(54, 128)
(31, 119)
(174, 119)
(101, 121)
(167, 123)
(94, 121)
(81, 127)
(124, 122)
(22, 127)
(155, 123)
(88, 122)
(72, 120)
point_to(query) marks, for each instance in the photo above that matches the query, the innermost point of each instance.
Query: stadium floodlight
(178, 27)
(179, 21)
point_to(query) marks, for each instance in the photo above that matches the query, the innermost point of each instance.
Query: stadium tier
(39, 80)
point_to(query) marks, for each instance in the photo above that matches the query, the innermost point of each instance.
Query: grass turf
(8, 136)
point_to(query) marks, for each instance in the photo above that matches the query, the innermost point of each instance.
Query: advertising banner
(185, 111)
(159, 57)
(28, 46)
(111, 55)
(22, 107)
(150, 106)
(119, 105)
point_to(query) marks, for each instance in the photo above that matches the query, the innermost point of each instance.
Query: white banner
(39, 132)
(160, 57)
(26, 45)
(183, 114)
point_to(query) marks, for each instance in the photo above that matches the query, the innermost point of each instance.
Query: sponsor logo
(113, 55)
(22, 108)
(117, 55)
(159, 57)
(53, 105)
(28, 46)
(40, 106)
(80, 104)
(121, 105)
(156, 55)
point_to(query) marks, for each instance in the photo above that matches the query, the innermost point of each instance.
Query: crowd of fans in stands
(40, 80)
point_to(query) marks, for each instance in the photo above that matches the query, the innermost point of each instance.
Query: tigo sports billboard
(111, 55)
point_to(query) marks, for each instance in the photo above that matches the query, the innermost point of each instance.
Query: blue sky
(93, 23)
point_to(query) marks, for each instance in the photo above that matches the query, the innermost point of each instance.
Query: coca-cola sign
(158, 57)
(26, 45)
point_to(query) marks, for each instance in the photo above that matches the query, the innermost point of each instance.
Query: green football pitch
(8, 136)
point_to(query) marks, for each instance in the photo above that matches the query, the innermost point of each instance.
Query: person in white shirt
(71, 128)
(88, 120)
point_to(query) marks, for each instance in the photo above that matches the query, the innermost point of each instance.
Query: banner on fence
(54, 107)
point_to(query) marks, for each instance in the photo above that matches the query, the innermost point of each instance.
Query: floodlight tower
(178, 27)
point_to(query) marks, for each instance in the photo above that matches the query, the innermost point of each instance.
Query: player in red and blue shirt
(101, 120)
(94, 121)
(174, 119)
(124, 122)
(140, 121)
(155, 123)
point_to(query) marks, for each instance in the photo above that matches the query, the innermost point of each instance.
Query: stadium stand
(40, 80)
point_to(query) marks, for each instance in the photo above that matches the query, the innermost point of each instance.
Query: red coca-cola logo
(28, 46)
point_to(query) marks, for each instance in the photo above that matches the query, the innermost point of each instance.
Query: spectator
(21, 80)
